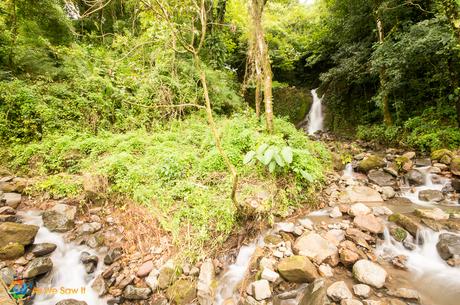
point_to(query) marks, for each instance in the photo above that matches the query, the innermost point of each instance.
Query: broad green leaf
(272, 166)
(262, 149)
(307, 176)
(249, 156)
(287, 154)
(279, 160)
(268, 156)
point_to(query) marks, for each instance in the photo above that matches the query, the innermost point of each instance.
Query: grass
(176, 172)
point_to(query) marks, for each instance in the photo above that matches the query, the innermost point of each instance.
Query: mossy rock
(438, 154)
(11, 232)
(297, 269)
(398, 233)
(182, 292)
(370, 162)
(455, 166)
(11, 251)
(272, 239)
(409, 224)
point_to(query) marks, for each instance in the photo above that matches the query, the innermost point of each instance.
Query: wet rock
(405, 293)
(339, 291)
(145, 269)
(435, 214)
(399, 201)
(423, 162)
(314, 294)
(369, 273)
(362, 290)
(415, 177)
(205, 281)
(60, 218)
(113, 255)
(348, 257)
(287, 227)
(297, 269)
(431, 195)
(9, 218)
(71, 302)
(261, 290)
(404, 163)
(398, 233)
(182, 292)
(95, 241)
(358, 237)
(359, 209)
(448, 246)
(116, 301)
(12, 199)
(315, 247)
(43, 249)
(409, 224)
(388, 192)
(136, 293)
(38, 266)
(99, 286)
(381, 178)
(370, 162)
(369, 223)
(89, 228)
(89, 261)
(455, 166)
(358, 193)
(11, 251)
(11, 232)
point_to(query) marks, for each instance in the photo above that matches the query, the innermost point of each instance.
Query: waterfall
(315, 116)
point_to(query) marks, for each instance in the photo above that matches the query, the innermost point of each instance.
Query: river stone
(409, 224)
(455, 166)
(435, 214)
(405, 293)
(136, 293)
(381, 211)
(7, 211)
(261, 290)
(448, 245)
(205, 281)
(415, 177)
(152, 279)
(431, 195)
(381, 178)
(13, 185)
(369, 223)
(167, 274)
(359, 193)
(113, 255)
(7, 275)
(99, 285)
(297, 269)
(12, 199)
(315, 247)
(362, 290)
(423, 162)
(306, 223)
(182, 292)
(398, 233)
(388, 192)
(11, 232)
(438, 154)
(89, 228)
(38, 266)
(370, 162)
(60, 218)
(315, 294)
(43, 249)
(71, 302)
(399, 201)
(359, 209)
(339, 291)
(145, 269)
(11, 251)
(369, 273)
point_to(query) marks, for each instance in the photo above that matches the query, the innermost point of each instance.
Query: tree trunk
(387, 119)
(14, 31)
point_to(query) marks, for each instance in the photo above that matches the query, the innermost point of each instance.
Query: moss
(370, 162)
(398, 233)
(438, 154)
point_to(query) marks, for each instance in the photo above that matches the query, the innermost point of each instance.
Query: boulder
(38, 266)
(369, 223)
(369, 273)
(11, 232)
(315, 247)
(167, 274)
(388, 192)
(362, 290)
(370, 162)
(415, 177)
(205, 282)
(455, 166)
(12, 199)
(11, 251)
(438, 154)
(182, 292)
(398, 233)
(430, 195)
(409, 224)
(448, 246)
(359, 193)
(13, 185)
(99, 286)
(136, 293)
(43, 249)
(314, 294)
(60, 218)
(71, 302)
(435, 214)
(113, 255)
(381, 178)
(339, 291)
(297, 269)
(359, 209)
(423, 162)
(261, 290)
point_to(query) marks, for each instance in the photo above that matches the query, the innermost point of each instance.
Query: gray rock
(113, 255)
(135, 293)
(7, 275)
(388, 192)
(381, 178)
(38, 266)
(339, 291)
(261, 290)
(152, 279)
(205, 281)
(455, 182)
(43, 249)
(315, 247)
(415, 177)
(71, 302)
(270, 275)
(89, 261)
(12, 199)
(315, 294)
(7, 211)
(448, 245)
(369, 273)
(11, 232)
(362, 290)
(89, 228)
(99, 286)
(431, 195)
(423, 162)
(60, 218)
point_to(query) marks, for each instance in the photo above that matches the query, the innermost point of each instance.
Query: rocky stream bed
(388, 235)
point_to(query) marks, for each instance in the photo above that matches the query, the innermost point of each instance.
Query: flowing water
(68, 276)
(315, 116)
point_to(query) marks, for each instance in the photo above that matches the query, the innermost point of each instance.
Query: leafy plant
(273, 157)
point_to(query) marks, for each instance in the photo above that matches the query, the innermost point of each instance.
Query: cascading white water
(434, 278)
(68, 275)
(315, 116)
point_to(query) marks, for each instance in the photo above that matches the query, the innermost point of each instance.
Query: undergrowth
(178, 174)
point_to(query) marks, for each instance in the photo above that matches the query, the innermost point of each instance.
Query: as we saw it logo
(22, 291)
